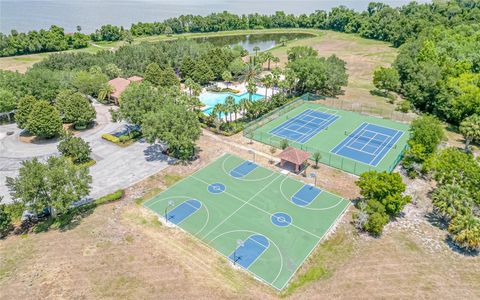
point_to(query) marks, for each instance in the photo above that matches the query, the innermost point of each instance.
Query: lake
(264, 41)
(25, 15)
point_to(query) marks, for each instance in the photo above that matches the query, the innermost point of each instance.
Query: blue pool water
(210, 99)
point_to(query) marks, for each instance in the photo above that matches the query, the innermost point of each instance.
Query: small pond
(264, 41)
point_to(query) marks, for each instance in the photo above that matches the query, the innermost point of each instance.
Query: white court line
(390, 147)
(245, 203)
(252, 205)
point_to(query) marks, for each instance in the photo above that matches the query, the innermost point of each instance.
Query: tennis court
(346, 140)
(369, 143)
(262, 221)
(306, 125)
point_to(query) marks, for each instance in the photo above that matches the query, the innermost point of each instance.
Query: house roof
(119, 85)
(135, 79)
(294, 155)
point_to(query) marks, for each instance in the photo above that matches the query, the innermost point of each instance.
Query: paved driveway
(116, 167)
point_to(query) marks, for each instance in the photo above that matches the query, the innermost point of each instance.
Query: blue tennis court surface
(250, 250)
(183, 211)
(243, 169)
(306, 195)
(304, 126)
(368, 143)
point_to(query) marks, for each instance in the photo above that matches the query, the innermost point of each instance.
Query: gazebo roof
(294, 155)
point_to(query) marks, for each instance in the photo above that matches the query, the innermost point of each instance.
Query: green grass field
(326, 140)
(246, 207)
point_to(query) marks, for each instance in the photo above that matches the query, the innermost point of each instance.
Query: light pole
(253, 153)
(239, 244)
(170, 204)
(314, 175)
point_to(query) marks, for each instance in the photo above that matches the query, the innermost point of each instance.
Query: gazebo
(294, 156)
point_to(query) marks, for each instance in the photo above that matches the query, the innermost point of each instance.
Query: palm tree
(230, 104)
(465, 230)
(256, 49)
(250, 71)
(189, 85)
(268, 56)
(470, 128)
(251, 89)
(236, 108)
(268, 83)
(218, 109)
(276, 60)
(245, 105)
(450, 200)
(283, 41)
(105, 91)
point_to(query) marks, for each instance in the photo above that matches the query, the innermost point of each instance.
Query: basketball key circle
(216, 188)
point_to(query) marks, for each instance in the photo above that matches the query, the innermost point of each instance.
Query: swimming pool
(210, 99)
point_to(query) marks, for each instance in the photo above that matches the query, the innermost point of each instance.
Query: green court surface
(344, 139)
(250, 217)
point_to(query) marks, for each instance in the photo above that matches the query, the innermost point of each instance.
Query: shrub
(110, 197)
(284, 144)
(5, 221)
(111, 138)
(75, 148)
(404, 106)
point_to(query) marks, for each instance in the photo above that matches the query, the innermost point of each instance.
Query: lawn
(262, 221)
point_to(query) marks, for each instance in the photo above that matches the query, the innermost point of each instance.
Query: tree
(283, 41)
(25, 106)
(8, 102)
(105, 92)
(465, 231)
(112, 70)
(153, 74)
(227, 77)
(168, 31)
(250, 72)
(90, 83)
(427, 131)
(299, 52)
(317, 156)
(229, 105)
(202, 72)
(75, 108)
(470, 128)
(5, 221)
(236, 67)
(267, 82)
(75, 149)
(256, 49)
(386, 79)
(174, 125)
(128, 37)
(284, 144)
(251, 89)
(44, 120)
(168, 78)
(382, 198)
(269, 57)
(54, 184)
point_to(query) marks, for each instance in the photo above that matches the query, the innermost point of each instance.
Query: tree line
(379, 21)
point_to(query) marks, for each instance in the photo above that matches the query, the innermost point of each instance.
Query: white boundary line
(256, 166)
(243, 179)
(316, 245)
(248, 270)
(305, 207)
(235, 211)
(376, 156)
(254, 206)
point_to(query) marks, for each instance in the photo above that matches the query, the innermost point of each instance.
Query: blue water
(210, 99)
